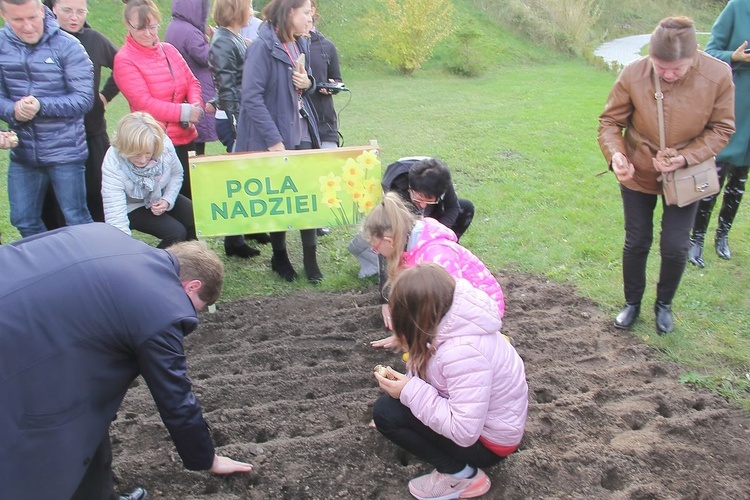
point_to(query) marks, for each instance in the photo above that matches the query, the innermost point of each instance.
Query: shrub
(405, 32)
(463, 60)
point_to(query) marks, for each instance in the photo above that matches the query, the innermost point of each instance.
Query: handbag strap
(659, 96)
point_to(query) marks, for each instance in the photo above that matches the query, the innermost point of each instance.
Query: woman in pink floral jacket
(155, 78)
(405, 240)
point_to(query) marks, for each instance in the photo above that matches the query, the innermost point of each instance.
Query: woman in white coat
(141, 180)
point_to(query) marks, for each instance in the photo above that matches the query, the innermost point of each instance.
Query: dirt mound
(286, 384)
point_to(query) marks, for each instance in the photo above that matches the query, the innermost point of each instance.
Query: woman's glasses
(153, 28)
(415, 198)
(375, 246)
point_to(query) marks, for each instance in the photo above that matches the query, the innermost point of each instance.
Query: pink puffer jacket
(157, 80)
(436, 243)
(475, 383)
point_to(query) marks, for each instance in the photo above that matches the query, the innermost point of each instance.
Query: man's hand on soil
(225, 465)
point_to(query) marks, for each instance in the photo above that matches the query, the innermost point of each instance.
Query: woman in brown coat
(698, 99)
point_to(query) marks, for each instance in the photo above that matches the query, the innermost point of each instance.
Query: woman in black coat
(324, 63)
(225, 58)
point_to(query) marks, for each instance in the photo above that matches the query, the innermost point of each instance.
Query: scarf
(145, 181)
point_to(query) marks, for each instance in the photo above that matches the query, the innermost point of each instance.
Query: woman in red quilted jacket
(154, 77)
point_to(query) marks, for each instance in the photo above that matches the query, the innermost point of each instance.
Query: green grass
(521, 142)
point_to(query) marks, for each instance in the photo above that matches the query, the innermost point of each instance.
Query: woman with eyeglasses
(154, 78)
(405, 239)
(426, 183)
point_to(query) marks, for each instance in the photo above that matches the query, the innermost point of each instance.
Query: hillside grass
(561, 24)
(521, 143)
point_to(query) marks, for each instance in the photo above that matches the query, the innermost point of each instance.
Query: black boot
(261, 238)
(702, 217)
(235, 246)
(722, 243)
(281, 265)
(695, 252)
(627, 316)
(733, 192)
(310, 262)
(664, 319)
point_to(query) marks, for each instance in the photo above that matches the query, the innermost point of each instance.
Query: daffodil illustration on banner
(360, 180)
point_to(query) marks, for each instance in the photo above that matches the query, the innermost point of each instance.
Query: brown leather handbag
(688, 184)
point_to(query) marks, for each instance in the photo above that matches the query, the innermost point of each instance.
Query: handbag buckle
(701, 187)
(659, 96)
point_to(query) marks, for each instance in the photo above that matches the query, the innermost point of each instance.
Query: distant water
(623, 50)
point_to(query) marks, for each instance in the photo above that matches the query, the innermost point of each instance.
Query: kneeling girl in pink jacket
(405, 239)
(463, 403)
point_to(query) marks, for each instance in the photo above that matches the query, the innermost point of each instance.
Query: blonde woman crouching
(141, 181)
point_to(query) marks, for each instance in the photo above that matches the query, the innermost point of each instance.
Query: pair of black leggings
(171, 227)
(309, 236)
(396, 422)
(465, 216)
(733, 191)
(676, 224)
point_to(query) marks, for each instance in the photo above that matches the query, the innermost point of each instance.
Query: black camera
(333, 87)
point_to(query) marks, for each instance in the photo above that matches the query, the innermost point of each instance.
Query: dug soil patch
(286, 383)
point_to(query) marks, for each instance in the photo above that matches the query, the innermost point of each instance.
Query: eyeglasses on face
(69, 12)
(153, 28)
(376, 246)
(417, 199)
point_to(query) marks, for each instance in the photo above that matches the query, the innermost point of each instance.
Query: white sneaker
(438, 486)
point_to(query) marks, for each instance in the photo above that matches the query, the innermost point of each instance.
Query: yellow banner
(242, 193)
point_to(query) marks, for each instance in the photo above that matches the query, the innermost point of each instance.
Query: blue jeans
(226, 133)
(28, 185)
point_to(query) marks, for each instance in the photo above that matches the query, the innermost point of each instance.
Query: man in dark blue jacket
(46, 87)
(84, 310)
